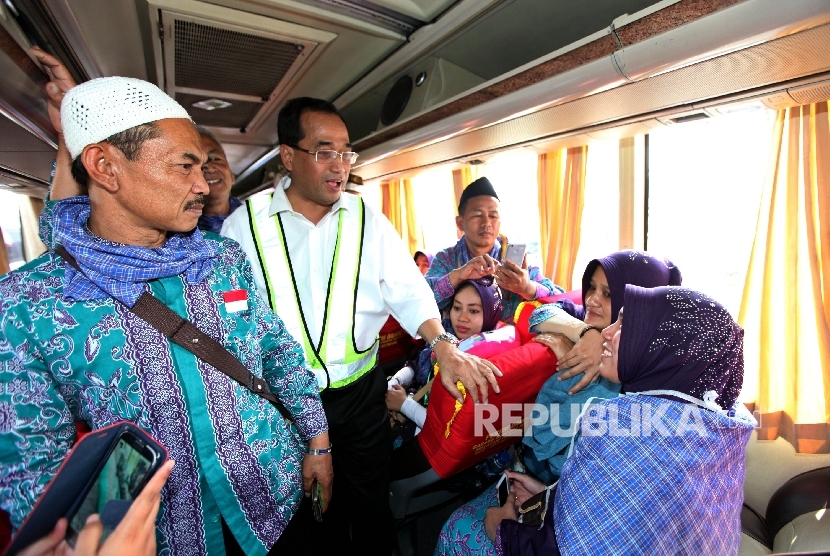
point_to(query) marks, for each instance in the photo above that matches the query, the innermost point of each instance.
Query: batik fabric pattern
(463, 534)
(92, 361)
(457, 256)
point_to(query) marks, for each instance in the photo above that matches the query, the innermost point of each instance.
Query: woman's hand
(395, 397)
(494, 516)
(136, 534)
(583, 358)
(524, 486)
(559, 343)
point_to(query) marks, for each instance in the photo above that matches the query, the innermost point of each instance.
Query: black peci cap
(481, 186)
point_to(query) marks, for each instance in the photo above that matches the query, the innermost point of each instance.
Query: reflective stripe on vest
(335, 360)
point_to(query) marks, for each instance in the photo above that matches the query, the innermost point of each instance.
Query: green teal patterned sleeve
(45, 229)
(36, 427)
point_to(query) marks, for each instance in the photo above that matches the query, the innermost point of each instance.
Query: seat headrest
(804, 493)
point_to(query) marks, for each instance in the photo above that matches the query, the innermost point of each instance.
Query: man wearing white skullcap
(219, 204)
(72, 349)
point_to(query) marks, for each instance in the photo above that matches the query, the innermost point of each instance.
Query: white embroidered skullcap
(102, 107)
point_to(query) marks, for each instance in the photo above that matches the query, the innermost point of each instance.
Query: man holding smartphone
(73, 349)
(481, 252)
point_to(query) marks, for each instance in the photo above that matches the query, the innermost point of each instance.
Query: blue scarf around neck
(119, 270)
(463, 254)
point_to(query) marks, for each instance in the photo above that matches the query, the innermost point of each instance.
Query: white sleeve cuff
(403, 378)
(415, 412)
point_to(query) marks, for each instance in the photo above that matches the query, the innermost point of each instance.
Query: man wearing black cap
(478, 253)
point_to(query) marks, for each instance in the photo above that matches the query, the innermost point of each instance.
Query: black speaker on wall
(396, 100)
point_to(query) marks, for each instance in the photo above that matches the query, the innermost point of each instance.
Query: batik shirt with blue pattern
(68, 360)
(438, 278)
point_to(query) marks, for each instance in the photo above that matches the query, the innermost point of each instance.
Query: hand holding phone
(129, 465)
(102, 474)
(136, 533)
(515, 253)
(317, 500)
(503, 488)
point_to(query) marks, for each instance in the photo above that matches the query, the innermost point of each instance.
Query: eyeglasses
(329, 156)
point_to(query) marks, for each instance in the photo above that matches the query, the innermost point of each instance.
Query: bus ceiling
(420, 82)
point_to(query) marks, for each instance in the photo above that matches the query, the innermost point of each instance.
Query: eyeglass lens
(347, 157)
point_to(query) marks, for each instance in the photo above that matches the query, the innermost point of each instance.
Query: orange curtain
(390, 193)
(414, 233)
(561, 177)
(786, 302)
(461, 178)
(398, 204)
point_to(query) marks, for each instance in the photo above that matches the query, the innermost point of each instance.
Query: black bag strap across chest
(184, 333)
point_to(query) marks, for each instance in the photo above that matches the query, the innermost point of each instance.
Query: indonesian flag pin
(236, 300)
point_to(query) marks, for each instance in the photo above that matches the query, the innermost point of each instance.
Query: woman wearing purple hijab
(660, 469)
(603, 288)
(423, 260)
(474, 308)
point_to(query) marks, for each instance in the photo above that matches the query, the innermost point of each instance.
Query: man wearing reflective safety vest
(334, 270)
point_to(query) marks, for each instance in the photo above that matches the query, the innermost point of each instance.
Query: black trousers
(361, 450)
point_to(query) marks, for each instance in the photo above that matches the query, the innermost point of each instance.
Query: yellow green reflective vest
(334, 359)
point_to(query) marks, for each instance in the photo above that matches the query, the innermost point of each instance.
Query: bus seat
(411, 495)
(796, 518)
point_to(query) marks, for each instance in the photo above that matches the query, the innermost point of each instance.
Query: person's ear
(287, 155)
(459, 223)
(103, 165)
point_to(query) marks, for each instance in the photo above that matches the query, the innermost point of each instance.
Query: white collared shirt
(389, 283)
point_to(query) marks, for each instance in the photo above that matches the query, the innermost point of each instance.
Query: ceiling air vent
(812, 93)
(689, 118)
(683, 117)
(229, 69)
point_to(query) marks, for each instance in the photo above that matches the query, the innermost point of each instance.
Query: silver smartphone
(515, 253)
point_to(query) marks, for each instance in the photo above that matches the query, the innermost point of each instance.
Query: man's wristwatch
(443, 337)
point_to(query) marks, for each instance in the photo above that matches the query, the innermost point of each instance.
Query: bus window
(706, 177)
(11, 228)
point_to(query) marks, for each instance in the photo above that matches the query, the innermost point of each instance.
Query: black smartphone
(127, 468)
(503, 486)
(317, 500)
